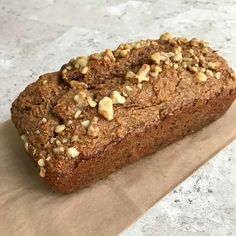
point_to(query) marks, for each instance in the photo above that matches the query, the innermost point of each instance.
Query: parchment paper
(29, 207)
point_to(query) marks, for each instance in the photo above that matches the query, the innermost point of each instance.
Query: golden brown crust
(69, 119)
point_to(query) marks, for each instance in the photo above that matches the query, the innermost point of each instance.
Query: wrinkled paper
(29, 207)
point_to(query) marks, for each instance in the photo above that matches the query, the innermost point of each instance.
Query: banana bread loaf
(109, 109)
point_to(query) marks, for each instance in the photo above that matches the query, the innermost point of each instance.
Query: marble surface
(38, 36)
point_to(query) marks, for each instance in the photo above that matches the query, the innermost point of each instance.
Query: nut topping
(130, 74)
(209, 72)
(192, 68)
(166, 36)
(217, 75)
(44, 120)
(156, 71)
(41, 162)
(60, 128)
(117, 98)
(80, 63)
(182, 40)
(42, 172)
(178, 50)
(213, 65)
(93, 128)
(108, 55)
(201, 77)
(91, 102)
(194, 42)
(177, 57)
(143, 73)
(156, 57)
(72, 152)
(81, 100)
(128, 88)
(58, 150)
(85, 123)
(74, 138)
(77, 114)
(84, 70)
(175, 66)
(105, 108)
(78, 85)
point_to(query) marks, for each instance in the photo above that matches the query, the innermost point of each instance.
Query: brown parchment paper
(29, 207)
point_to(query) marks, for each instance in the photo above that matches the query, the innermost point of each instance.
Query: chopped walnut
(175, 66)
(192, 68)
(205, 50)
(80, 63)
(37, 131)
(59, 128)
(85, 123)
(143, 73)
(105, 108)
(41, 162)
(96, 56)
(58, 143)
(178, 50)
(44, 120)
(184, 64)
(201, 77)
(108, 55)
(91, 102)
(217, 75)
(202, 60)
(58, 150)
(177, 57)
(84, 70)
(93, 128)
(194, 42)
(128, 88)
(164, 56)
(48, 158)
(125, 94)
(155, 71)
(72, 152)
(81, 100)
(117, 98)
(209, 72)
(170, 54)
(69, 122)
(156, 57)
(77, 114)
(203, 70)
(42, 172)
(122, 52)
(182, 40)
(78, 85)
(130, 74)
(74, 138)
(191, 51)
(166, 36)
(214, 65)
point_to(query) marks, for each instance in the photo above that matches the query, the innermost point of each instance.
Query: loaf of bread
(104, 111)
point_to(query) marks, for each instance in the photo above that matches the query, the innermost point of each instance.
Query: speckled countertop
(38, 36)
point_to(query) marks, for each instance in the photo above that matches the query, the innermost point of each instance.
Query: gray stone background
(38, 36)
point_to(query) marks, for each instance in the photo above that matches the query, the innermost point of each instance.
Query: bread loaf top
(72, 115)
